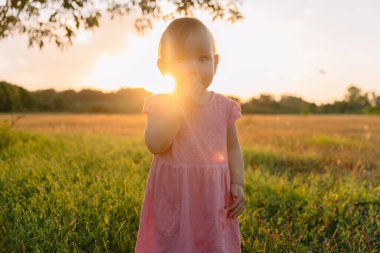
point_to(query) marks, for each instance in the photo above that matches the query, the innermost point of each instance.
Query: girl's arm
(236, 164)
(160, 132)
(235, 157)
(161, 129)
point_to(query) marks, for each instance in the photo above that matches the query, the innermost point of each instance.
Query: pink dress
(188, 188)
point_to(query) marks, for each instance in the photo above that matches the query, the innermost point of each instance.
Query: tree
(357, 101)
(292, 104)
(14, 98)
(353, 94)
(60, 20)
(265, 103)
(374, 103)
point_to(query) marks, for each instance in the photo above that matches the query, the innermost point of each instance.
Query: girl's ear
(161, 66)
(216, 61)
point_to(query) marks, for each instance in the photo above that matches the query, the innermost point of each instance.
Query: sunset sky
(308, 48)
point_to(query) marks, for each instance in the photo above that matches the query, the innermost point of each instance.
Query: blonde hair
(178, 31)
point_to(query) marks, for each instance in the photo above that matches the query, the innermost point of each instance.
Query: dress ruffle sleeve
(234, 112)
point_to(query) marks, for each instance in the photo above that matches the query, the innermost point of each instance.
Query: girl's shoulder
(230, 107)
(225, 99)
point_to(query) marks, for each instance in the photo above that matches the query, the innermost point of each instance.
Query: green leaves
(25, 16)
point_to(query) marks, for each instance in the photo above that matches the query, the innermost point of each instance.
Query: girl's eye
(203, 58)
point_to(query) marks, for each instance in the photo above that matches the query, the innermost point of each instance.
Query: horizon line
(276, 96)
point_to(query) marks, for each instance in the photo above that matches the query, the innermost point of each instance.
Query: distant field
(75, 182)
(341, 140)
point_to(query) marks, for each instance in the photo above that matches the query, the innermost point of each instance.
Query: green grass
(83, 193)
(327, 141)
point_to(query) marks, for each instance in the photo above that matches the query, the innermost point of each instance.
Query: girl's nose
(192, 67)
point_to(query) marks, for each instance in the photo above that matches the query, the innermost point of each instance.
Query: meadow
(75, 183)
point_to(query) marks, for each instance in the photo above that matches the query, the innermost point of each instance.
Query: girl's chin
(179, 87)
(188, 97)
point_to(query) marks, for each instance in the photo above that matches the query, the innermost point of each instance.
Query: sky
(314, 49)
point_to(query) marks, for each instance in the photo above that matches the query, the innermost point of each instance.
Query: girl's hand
(237, 207)
(190, 90)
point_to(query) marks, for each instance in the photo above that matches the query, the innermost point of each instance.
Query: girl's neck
(204, 98)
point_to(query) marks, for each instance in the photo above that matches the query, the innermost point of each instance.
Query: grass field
(75, 183)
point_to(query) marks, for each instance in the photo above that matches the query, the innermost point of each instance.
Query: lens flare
(169, 83)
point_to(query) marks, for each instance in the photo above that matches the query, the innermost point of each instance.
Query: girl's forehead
(195, 41)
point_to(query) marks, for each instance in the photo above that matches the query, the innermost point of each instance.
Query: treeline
(355, 101)
(14, 98)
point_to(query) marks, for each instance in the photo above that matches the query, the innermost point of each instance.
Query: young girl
(194, 190)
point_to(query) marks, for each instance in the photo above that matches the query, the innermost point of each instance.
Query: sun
(164, 84)
(167, 86)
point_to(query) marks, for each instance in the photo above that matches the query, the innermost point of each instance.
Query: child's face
(195, 58)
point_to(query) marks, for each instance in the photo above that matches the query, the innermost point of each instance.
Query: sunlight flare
(169, 84)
